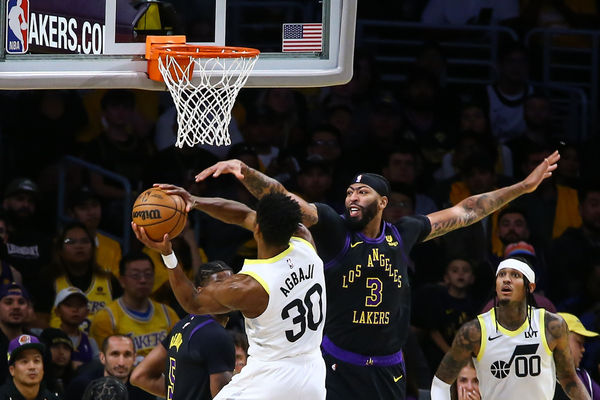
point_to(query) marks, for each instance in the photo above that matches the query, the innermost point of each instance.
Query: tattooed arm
(228, 211)
(465, 345)
(476, 207)
(258, 184)
(557, 335)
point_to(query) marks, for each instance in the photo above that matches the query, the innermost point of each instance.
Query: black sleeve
(216, 348)
(413, 229)
(329, 233)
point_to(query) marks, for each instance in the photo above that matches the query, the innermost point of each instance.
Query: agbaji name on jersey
(295, 278)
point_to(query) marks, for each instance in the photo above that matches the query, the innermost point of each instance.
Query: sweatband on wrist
(170, 260)
(440, 390)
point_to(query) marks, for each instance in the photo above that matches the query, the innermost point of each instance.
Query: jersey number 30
(303, 318)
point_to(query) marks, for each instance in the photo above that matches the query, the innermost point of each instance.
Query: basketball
(24, 26)
(159, 213)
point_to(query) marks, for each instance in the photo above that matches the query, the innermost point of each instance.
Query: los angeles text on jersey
(374, 260)
(295, 278)
(69, 34)
(374, 285)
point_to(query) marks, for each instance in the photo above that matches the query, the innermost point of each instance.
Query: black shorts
(348, 381)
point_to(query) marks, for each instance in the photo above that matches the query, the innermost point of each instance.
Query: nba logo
(17, 26)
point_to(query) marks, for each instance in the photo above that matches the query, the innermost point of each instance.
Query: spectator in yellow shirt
(134, 314)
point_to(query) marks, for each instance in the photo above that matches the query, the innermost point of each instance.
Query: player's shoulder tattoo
(468, 336)
(556, 327)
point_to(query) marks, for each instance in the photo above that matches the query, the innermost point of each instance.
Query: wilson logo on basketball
(147, 214)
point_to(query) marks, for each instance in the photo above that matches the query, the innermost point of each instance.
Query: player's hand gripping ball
(159, 213)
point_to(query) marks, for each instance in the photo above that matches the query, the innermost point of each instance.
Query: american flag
(302, 37)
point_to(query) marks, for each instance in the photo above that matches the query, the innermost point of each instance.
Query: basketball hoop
(203, 101)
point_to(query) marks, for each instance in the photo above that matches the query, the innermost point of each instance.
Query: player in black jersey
(366, 271)
(197, 358)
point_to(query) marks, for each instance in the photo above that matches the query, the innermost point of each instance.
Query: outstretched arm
(229, 211)
(465, 345)
(558, 338)
(474, 208)
(238, 292)
(258, 184)
(148, 375)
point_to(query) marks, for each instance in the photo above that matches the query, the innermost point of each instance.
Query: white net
(204, 105)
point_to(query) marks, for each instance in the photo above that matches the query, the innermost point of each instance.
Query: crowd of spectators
(436, 145)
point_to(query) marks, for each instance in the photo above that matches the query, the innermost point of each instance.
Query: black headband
(377, 182)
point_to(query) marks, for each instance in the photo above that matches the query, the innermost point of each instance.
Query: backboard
(101, 43)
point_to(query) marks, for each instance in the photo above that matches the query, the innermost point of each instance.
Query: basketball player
(366, 261)
(518, 350)
(281, 295)
(197, 358)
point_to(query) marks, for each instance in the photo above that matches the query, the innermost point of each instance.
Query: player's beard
(368, 213)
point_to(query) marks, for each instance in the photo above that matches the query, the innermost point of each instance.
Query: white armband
(170, 260)
(440, 390)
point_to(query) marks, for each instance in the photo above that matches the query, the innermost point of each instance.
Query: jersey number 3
(302, 319)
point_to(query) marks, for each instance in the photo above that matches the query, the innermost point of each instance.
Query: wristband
(170, 260)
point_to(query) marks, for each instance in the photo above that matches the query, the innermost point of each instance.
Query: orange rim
(188, 50)
(176, 48)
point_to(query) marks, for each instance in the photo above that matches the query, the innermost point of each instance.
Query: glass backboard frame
(123, 66)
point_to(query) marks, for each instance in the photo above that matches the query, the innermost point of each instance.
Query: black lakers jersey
(367, 282)
(197, 347)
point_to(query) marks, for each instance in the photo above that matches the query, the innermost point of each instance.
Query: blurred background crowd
(436, 126)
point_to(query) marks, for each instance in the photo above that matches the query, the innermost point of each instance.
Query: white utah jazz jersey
(292, 324)
(515, 364)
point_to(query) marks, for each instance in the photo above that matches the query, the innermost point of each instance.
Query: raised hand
(164, 246)
(541, 172)
(222, 167)
(179, 191)
(465, 394)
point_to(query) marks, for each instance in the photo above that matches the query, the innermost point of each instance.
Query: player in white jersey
(518, 349)
(281, 295)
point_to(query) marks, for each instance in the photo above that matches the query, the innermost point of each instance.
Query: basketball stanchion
(204, 82)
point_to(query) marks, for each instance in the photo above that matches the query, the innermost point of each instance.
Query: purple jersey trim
(200, 326)
(358, 359)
